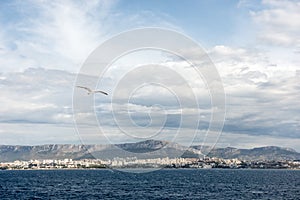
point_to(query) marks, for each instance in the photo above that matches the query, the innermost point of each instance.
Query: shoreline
(153, 169)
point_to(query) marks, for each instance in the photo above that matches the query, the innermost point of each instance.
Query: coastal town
(205, 163)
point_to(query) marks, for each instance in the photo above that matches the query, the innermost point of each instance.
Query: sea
(161, 184)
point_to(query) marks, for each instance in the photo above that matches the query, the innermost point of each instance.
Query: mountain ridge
(143, 149)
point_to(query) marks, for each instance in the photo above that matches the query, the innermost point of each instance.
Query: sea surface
(162, 184)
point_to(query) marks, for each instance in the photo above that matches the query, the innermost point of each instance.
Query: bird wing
(86, 88)
(99, 91)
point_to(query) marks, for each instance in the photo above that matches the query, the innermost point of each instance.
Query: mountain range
(144, 149)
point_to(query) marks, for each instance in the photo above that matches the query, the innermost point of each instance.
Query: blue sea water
(162, 184)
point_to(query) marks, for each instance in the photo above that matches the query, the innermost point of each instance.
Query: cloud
(36, 96)
(60, 35)
(260, 103)
(42, 46)
(262, 97)
(279, 22)
(262, 94)
(44, 96)
(53, 34)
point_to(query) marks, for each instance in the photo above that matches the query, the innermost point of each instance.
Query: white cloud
(36, 96)
(279, 22)
(41, 96)
(262, 101)
(61, 34)
(262, 86)
(262, 94)
(54, 34)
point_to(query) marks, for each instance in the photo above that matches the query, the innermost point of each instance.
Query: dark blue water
(163, 184)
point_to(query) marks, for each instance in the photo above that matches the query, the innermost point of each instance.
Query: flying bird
(90, 91)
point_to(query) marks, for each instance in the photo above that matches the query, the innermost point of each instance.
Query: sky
(254, 45)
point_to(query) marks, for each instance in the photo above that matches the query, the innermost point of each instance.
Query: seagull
(90, 91)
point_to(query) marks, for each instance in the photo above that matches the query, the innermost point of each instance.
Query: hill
(144, 149)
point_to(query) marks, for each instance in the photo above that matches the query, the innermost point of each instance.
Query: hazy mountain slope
(145, 149)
